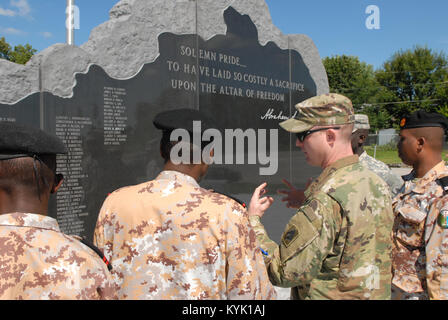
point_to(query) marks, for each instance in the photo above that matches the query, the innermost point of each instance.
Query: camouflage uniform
(380, 168)
(170, 239)
(338, 245)
(383, 171)
(420, 253)
(40, 262)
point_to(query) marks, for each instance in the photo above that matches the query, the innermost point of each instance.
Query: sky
(336, 26)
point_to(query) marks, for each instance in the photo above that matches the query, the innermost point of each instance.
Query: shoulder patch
(442, 219)
(290, 235)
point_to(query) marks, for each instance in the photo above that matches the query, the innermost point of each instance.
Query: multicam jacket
(171, 239)
(420, 253)
(37, 261)
(338, 245)
(383, 171)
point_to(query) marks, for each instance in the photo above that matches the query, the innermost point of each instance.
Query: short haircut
(30, 173)
(346, 132)
(434, 136)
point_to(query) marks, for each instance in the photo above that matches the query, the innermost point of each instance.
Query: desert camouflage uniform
(338, 245)
(37, 261)
(171, 239)
(383, 171)
(420, 253)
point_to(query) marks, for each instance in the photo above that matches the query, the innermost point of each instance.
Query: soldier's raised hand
(294, 197)
(259, 205)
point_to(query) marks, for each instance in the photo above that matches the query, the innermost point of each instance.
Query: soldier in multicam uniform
(420, 252)
(360, 132)
(359, 136)
(171, 239)
(338, 245)
(37, 260)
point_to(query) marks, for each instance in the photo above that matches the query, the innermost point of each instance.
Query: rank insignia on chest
(442, 220)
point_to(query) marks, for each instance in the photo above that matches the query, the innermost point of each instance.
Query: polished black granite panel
(107, 123)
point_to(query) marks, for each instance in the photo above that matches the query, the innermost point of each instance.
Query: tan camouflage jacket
(383, 171)
(338, 245)
(420, 254)
(37, 262)
(171, 239)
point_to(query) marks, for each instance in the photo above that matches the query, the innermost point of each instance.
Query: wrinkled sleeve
(246, 273)
(307, 240)
(103, 235)
(436, 238)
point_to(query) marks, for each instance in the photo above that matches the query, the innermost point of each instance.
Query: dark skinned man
(38, 261)
(420, 253)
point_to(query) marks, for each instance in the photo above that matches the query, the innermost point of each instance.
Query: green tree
(352, 78)
(414, 79)
(21, 54)
(5, 49)
(356, 80)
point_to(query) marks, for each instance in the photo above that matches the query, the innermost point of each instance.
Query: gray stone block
(122, 45)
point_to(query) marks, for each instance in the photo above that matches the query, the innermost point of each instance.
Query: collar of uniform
(330, 170)
(33, 220)
(363, 155)
(177, 176)
(422, 184)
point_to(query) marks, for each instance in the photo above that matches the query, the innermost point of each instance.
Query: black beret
(422, 118)
(18, 141)
(182, 119)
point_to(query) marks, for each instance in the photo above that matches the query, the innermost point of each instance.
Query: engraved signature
(280, 116)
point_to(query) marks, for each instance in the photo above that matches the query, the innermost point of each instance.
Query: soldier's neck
(190, 170)
(422, 167)
(341, 152)
(23, 201)
(359, 151)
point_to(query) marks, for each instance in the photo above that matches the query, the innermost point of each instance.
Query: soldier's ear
(331, 136)
(421, 143)
(362, 138)
(58, 179)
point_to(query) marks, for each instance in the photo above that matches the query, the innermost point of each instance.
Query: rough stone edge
(17, 82)
(259, 12)
(60, 78)
(310, 55)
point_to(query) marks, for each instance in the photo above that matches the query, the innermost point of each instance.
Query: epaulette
(242, 203)
(98, 252)
(444, 183)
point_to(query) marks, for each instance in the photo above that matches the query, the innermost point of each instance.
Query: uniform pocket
(412, 214)
(409, 225)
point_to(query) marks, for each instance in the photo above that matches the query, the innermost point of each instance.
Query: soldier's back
(179, 241)
(40, 262)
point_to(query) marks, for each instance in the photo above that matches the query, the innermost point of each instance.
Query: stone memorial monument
(223, 57)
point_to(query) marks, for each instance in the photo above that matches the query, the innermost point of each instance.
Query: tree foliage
(408, 81)
(414, 79)
(352, 78)
(21, 53)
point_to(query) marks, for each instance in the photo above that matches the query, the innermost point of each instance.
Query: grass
(389, 155)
